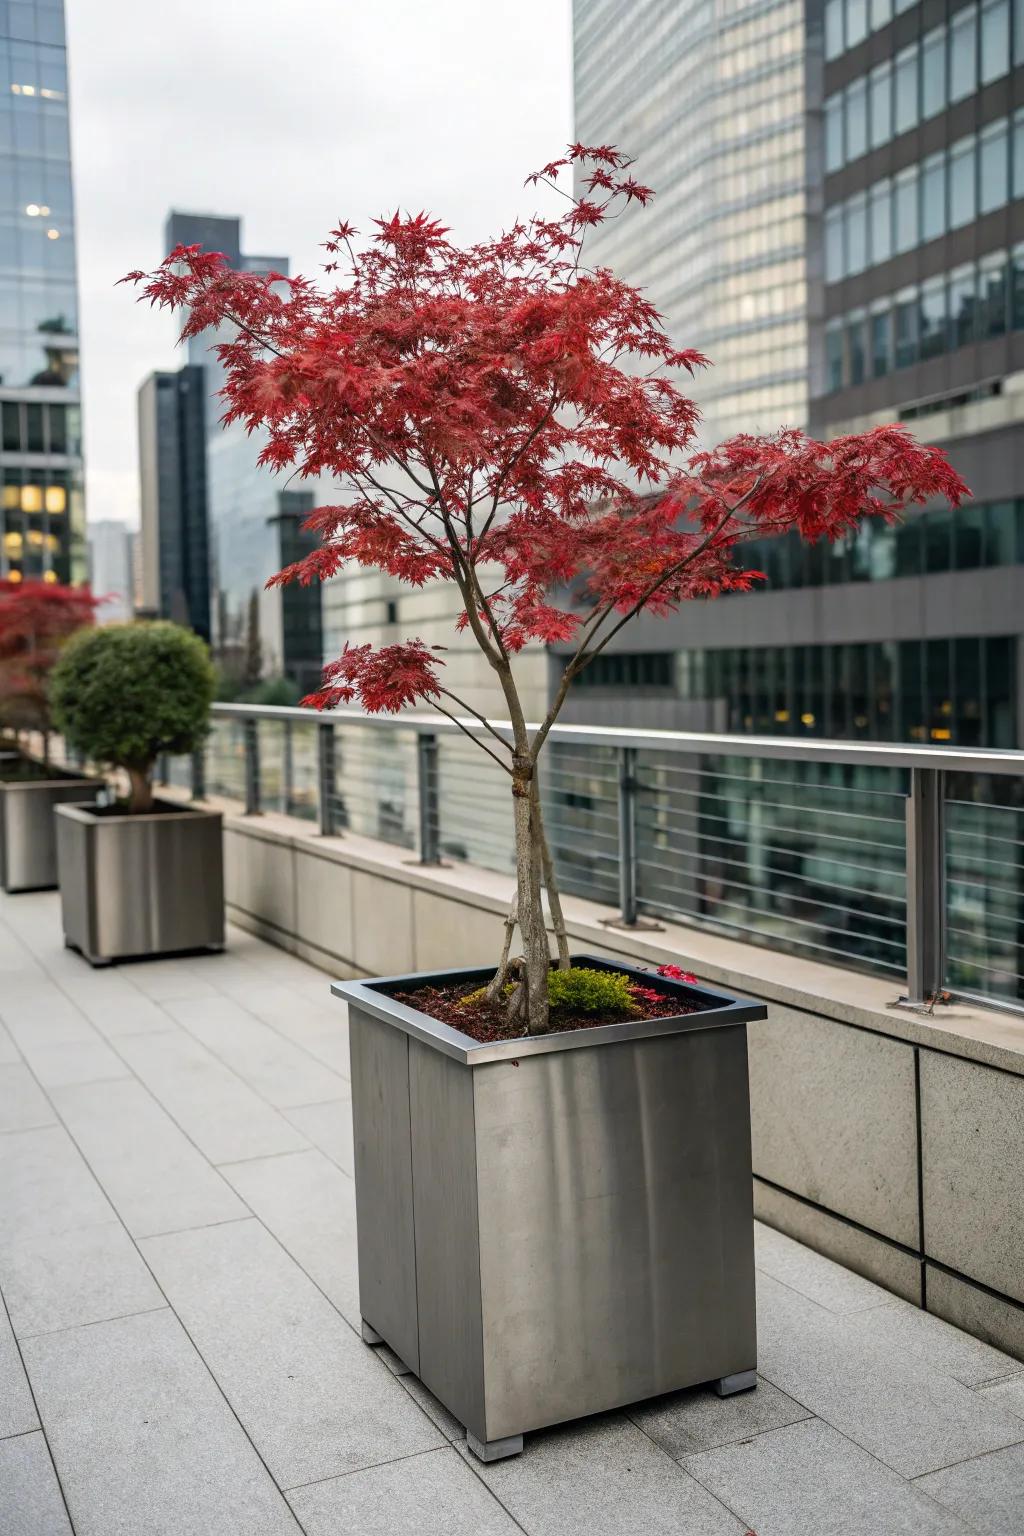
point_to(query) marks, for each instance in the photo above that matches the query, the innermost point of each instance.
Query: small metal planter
(558, 1226)
(133, 886)
(28, 837)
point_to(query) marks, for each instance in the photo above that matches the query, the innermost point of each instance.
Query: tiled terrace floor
(179, 1352)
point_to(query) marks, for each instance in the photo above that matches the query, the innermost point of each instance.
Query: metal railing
(904, 860)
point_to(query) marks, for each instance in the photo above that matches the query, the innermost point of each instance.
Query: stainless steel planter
(28, 838)
(140, 885)
(554, 1227)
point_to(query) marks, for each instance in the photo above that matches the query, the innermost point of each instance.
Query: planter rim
(85, 813)
(54, 776)
(722, 1010)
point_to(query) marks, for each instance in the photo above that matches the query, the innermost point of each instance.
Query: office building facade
(110, 569)
(42, 515)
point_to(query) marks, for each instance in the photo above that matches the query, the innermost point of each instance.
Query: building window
(906, 201)
(963, 53)
(881, 342)
(992, 296)
(880, 104)
(855, 346)
(933, 73)
(905, 113)
(834, 356)
(856, 120)
(834, 43)
(962, 303)
(881, 13)
(933, 197)
(906, 327)
(1017, 288)
(962, 191)
(856, 22)
(1018, 151)
(933, 318)
(881, 221)
(856, 235)
(834, 132)
(995, 39)
(993, 167)
(834, 265)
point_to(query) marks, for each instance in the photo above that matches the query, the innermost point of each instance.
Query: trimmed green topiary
(127, 692)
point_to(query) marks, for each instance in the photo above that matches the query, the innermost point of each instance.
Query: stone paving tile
(142, 1438)
(905, 1329)
(698, 1419)
(318, 1023)
(438, 1414)
(329, 1127)
(814, 1275)
(807, 1478)
(433, 1494)
(603, 1477)
(912, 1417)
(17, 1410)
(1008, 1394)
(987, 1493)
(9, 1053)
(310, 1394)
(23, 1105)
(65, 1259)
(281, 1072)
(225, 1118)
(162, 980)
(30, 1498)
(115, 1007)
(310, 1206)
(155, 1178)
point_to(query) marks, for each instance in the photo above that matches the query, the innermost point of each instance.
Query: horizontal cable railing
(903, 860)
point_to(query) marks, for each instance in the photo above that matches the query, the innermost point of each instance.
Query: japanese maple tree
(36, 618)
(507, 418)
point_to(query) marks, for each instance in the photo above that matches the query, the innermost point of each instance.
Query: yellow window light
(13, 543)
(35, 538)
(56, 498)
(53, 234)
(49, 575)
(782, 716)
(13, 575)
(941, 733)
(807, 719)
(31, 498)
(12, 496)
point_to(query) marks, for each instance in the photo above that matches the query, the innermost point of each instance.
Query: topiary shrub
(126, 693)
(579, 990)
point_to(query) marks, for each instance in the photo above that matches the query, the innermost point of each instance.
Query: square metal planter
(28, 835)
(140, 885)
(556, 1226)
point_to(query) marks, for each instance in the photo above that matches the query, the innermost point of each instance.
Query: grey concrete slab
(9, 1052)
(313, 1398)
(23, 1105)
(433, 1494)
(812, 1274)
(142, 1438)
(910, 1331)
(972, 1145)
(310, 1207)
(282, 1073)
(436, 1412)
(603, 1477)
(907, 1413)
(17, 1410)
(987, 1493)
(31, 1503)
(312, 1019)
(683, 1423)
(862, 1252)
(155, 1178)
(1008, 1394)
(808, 1478)
(225, 1118)
(165, 979)
(61, 1063)
(116, 1007)
(65, 1259)
(329, 1127)
(966, 1306)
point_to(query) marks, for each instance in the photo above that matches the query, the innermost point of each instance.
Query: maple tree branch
(477, 716)
(473, 736)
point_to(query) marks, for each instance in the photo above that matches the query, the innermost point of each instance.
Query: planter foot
(369, 1335)
(725, 1386)
(494, 1450)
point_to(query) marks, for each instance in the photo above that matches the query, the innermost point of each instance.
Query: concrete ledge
(892, 1142)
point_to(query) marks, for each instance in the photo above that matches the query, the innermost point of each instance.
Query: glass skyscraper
(42, 514)
(708, 96)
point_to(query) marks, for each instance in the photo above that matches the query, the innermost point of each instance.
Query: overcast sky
(293, 115)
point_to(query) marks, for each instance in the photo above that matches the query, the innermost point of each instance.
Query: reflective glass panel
(834, 245)
(933, 197)
(992, 296)
(834, 132)
(881, 13)
(881, 343)
(962, 191)
(834, 355)
(993, 167)
(963, 54)
(833, 28)
(856, 120)
(881, 221)
(906, 198)
(905, 110)
(933, 318)
(962, 304)
(855, 346)
(995, 39)
(856, 22)
(880, 104)
(933, 72)
(906, 312)
(856, 235)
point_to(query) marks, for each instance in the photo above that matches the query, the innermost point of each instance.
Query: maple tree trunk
(550, 879)
(530, 999)
(140, 791)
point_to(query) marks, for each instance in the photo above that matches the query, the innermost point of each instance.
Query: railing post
(325, 777)
(427, 792)
(288, 767)
(199, 774)
(251, 737)
(627, 837)
(926, 886)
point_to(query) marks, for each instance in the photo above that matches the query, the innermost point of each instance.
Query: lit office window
(962, 191)
(833, 28)
(933, 318)
(856, 119)
(905, 314)
(834, 132)
(962, 305)
(933, 73)
(995, 39)
(881, 341)
(855, 346)
(993, 167)
(834, 245)
(992, 296)
(963, 53)
(933, 197)
(880, 199)
(856, 234)
(880, 104)
(906, 210)
(906, 106)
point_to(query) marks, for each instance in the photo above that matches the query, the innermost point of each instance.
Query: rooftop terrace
(179, 1346)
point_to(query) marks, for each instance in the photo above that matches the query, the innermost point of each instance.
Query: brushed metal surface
(384, 1198)
(141, 885)
(581, 1218)
(28, 838)
(447, 1233)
